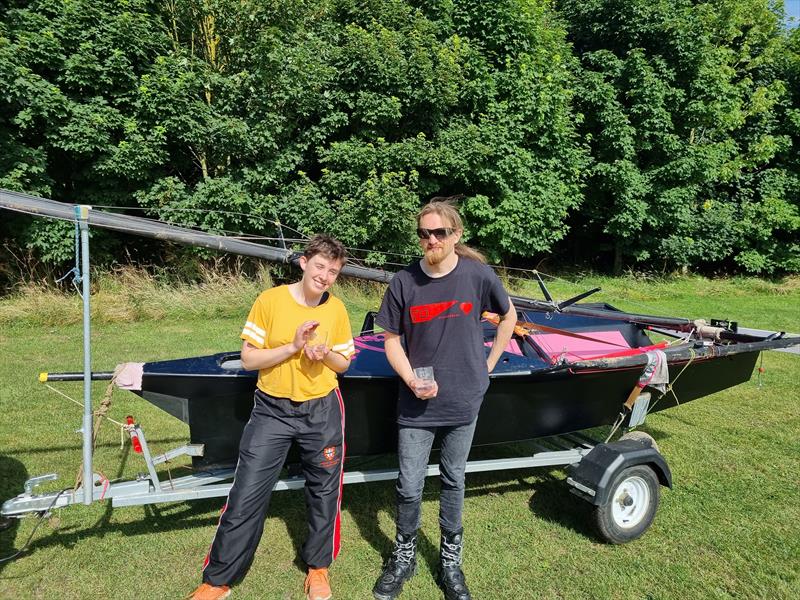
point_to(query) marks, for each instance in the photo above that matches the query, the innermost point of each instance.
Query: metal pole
(82, 213)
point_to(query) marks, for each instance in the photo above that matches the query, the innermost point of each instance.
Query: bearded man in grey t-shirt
(435, 304)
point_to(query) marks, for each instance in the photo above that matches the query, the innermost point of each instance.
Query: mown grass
(729, 528)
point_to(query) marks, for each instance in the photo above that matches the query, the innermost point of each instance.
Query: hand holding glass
(424, 379)
(317, 343)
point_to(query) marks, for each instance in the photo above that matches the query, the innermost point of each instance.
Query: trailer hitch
(28, 502)
(35, 482)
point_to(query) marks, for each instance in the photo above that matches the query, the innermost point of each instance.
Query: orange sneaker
(206, 591)
(317, 586)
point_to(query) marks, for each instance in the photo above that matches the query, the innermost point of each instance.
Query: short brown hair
(327, 246)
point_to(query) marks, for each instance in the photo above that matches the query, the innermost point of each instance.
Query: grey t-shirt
(440, 320)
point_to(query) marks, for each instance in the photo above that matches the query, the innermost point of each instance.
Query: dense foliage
(662, 131)
(686, 114)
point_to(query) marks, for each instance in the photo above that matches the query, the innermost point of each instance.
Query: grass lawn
(729, 528)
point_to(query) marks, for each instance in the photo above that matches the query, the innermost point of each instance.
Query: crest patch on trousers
(329, 457)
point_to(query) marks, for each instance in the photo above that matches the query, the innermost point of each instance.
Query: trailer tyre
(631, 506)
(641, 436)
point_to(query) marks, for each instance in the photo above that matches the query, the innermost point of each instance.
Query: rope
(79, 403)
(622, 415)
(169, 474)
(100, 414)
(682, 340)
(76, 270)
(616, 425)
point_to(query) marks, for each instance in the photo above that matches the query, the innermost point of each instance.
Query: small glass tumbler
(318, 341)
(424, 377)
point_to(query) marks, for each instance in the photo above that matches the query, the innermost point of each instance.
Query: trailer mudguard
(592, 477)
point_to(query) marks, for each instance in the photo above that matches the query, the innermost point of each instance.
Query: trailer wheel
(631, 506)
(641, 436)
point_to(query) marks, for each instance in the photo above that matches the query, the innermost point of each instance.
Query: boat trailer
(620, 479)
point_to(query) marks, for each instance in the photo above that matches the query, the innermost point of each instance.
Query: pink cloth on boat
(557, 345)
(130, 376)
(512, 347)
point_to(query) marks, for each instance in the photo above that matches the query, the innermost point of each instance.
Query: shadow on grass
(552, 502)
(659, 435)
(550, 499)
(156, 519)
(365, 502)
(12, 478)
(694, 424)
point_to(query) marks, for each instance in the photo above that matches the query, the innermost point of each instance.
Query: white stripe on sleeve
(253, 336)
(255, 328)
(347, 349)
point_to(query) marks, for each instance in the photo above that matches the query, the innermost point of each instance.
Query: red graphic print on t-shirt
(428, 312)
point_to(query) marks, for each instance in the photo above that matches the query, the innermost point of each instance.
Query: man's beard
(434, 256)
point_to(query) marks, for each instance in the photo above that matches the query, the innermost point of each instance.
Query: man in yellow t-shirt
(298, 337)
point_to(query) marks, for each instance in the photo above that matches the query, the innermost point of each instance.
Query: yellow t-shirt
(273, 321)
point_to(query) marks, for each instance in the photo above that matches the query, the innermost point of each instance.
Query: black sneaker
(401, 566)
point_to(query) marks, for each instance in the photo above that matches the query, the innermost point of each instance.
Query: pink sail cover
(558, 346)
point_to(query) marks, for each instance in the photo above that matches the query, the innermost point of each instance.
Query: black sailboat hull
(518, 406)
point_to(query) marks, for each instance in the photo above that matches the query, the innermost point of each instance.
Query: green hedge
(658, 133)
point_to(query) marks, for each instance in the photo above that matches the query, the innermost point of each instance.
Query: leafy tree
(666, 129)
(342, 116)
(68, 71)
(680, 101)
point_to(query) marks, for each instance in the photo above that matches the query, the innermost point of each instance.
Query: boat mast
(32, 205)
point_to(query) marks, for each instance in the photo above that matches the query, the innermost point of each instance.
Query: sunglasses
(440, 232)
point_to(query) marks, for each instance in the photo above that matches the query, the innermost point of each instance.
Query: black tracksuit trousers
(318, 428)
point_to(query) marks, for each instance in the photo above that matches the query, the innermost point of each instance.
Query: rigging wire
(275, 222)
(303, 237)
(134, 229)
(238, 234)
(359, 261)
